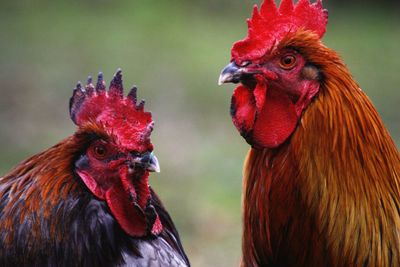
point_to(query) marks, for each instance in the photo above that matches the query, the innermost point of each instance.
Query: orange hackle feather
(42, 182)
(330, 195)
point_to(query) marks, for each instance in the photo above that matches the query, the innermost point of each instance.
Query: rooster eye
(288, 62)
(100, 151)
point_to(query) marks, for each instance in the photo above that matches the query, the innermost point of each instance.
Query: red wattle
(276, 121)
(157, 226)
(264, 117)
(131, 219)
(243, 110)
(127, 200)
(260, 93)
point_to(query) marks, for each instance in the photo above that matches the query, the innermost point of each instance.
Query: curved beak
(230, 74)
(148, 161)
(152, 164)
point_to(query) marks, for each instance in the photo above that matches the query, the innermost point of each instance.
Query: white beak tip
(222, 79)
(153, 166)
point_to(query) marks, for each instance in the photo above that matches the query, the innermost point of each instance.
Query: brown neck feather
(330, 195)
(39, 182)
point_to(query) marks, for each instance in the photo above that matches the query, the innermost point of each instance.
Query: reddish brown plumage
(43, 181)
(330, 195)
(87, 201)
(322, 180)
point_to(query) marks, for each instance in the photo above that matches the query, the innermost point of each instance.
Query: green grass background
(173, 51)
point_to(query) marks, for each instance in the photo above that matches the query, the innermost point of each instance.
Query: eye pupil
(288, 61)
(100, 151)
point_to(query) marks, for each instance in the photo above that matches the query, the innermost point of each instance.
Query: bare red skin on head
(269, 25)
(267, 126)
(131, 217)
(126, 194)
(122, 127)
(243, 110)
(118, 115)
(267, 114)
(276, 120)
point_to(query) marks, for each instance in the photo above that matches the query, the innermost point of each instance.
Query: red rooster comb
(122, 116)
(269, 25)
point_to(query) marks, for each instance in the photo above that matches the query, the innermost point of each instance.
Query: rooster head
(277, 80)
(116, 155)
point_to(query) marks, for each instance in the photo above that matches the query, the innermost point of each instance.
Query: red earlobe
(92, 185)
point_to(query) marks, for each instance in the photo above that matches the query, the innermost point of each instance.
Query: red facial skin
(270, 24)
(267, 106)
(115, 167)
(119, 116)
(111, 176)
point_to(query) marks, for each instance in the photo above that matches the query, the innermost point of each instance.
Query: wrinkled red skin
(120, 128)
(125, 191)
(269, 24)
(267, 114)
(119, 116)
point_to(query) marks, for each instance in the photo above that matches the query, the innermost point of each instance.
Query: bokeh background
(173, 50)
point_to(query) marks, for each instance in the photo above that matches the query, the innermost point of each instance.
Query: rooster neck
(48, 218)
(35, 187)
(331, 185)
(48, 179)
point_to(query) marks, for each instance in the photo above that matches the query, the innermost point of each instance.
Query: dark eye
(100, 151)
(288, 62)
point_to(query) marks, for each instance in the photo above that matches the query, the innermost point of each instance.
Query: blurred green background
(173, 51)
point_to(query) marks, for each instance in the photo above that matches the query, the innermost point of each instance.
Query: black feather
(86, 235)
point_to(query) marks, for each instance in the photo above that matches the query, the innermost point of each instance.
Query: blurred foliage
(174, 51)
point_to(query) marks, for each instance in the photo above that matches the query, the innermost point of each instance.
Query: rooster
(87, 201)
(321, 182)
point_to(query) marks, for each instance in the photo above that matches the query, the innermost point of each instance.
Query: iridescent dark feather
(49, 217)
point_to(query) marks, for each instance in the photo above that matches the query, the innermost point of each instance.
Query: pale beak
(152, 164)
(230, 74)
(147, 161)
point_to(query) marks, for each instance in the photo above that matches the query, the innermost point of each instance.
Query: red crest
(268, 26)
(121, 116)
